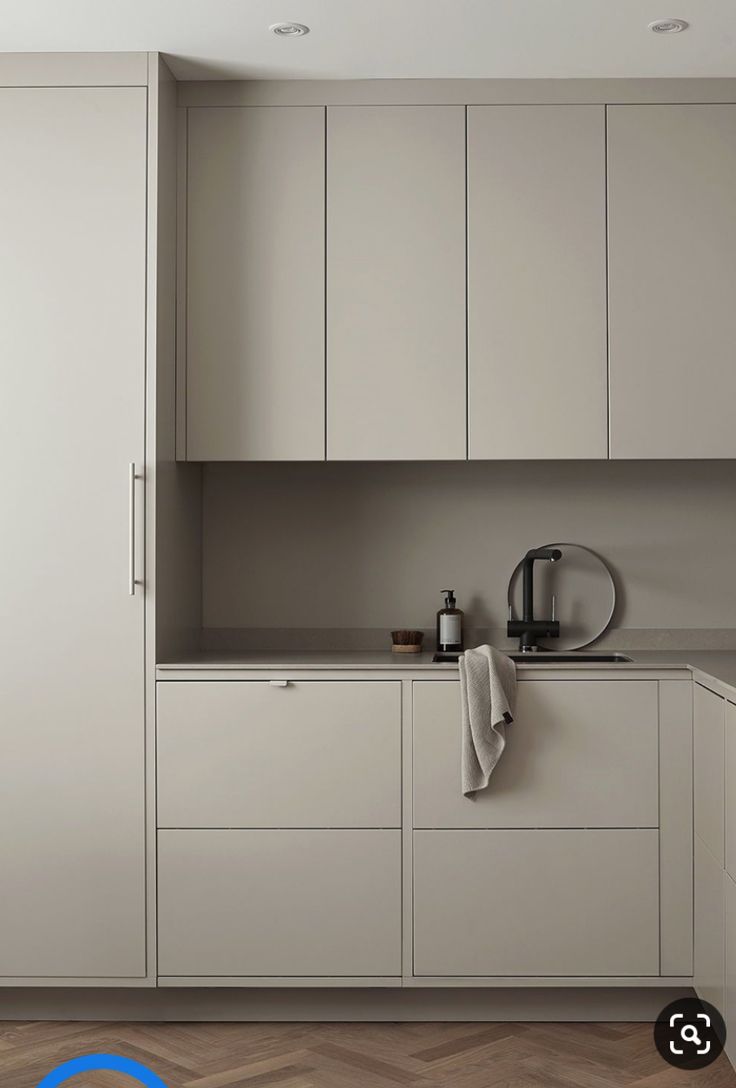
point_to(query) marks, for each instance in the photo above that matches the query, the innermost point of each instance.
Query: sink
(556, 657)
(577, 656)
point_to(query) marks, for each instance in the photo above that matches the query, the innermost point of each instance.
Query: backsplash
(362, 546)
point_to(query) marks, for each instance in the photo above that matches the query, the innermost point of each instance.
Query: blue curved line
(113, 1062)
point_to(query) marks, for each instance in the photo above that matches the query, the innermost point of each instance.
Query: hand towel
(488, 695)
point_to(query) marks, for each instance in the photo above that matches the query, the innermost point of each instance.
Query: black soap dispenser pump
(450, 625)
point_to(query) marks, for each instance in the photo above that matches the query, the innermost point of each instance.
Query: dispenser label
(450, 630)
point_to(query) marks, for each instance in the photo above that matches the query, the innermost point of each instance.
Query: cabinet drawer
(279, 903)
(539, 903)
(250, 754)
(709, 721)
(580, 753)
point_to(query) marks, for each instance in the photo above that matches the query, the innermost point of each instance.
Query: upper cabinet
(537, 364)
(672, 274)
(396, 356)
(255, 272)
(413, 282)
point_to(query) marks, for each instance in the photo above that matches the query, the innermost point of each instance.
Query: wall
(371, 545)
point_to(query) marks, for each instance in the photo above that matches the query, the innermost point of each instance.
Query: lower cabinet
(577, 859)
(729, 1012)
(729, 787)
(581, 753)
(711, 713)
(715, 844)
(290, 754)
(279, 842)
(709, 720)
(709, 926)
(282, 854)
(279, 903)
(536, 903)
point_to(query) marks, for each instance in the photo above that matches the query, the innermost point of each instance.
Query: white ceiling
(379, 39)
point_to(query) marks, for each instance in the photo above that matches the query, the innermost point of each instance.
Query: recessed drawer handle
(279, 683)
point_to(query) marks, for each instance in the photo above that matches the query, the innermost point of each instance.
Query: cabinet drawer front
(539, 903)
(580, 753)
(709, 723)
(279, 903)
(251, 754)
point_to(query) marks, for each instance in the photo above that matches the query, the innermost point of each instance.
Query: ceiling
(380, 39)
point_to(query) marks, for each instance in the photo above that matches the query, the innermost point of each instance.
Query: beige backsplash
(366, 547)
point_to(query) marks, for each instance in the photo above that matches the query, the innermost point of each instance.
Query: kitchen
(285, 355)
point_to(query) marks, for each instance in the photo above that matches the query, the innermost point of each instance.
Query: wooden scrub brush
(407, 642)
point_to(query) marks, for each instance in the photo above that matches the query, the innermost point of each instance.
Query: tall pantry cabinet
(73, 358)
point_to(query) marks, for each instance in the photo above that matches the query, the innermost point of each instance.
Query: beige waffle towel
(488, 694)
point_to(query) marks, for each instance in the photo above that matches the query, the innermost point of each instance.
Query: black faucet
(527, 629)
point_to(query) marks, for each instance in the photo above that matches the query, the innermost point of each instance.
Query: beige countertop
(715, 669)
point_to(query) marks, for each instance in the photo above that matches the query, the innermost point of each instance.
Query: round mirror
(584, 591)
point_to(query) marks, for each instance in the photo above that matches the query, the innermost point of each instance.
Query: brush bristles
(407, 638)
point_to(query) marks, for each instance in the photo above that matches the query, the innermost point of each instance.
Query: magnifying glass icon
(689, 1034)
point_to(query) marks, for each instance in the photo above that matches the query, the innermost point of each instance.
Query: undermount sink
(551, 657)
(562, 656)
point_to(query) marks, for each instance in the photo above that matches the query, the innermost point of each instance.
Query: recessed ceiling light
(289, 30)
(668, 26)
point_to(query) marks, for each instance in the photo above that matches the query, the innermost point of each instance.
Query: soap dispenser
(450, 625)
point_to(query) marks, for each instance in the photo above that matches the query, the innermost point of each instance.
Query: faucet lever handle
(554, 606)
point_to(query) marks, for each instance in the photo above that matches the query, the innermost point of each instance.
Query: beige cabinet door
(672, 269)
(729, 1009)
(396, 283)
(709, 926)
(255, 754)
(72, 357)
(537, 355)
(536, 903)
(580, 753)
(255, 351)
(730, 791)
(709, 721)
(279, 903)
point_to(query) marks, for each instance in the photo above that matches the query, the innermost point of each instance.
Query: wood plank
(521, 1055)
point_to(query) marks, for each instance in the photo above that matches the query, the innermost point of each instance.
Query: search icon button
(689, 1033)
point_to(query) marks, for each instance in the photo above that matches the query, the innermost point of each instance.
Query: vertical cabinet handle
(132, 477)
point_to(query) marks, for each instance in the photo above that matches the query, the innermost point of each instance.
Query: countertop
(715, 669)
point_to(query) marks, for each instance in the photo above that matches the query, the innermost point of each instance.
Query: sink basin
(579, 657)
(550, 657)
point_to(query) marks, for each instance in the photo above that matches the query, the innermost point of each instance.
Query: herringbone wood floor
(355, 1055)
